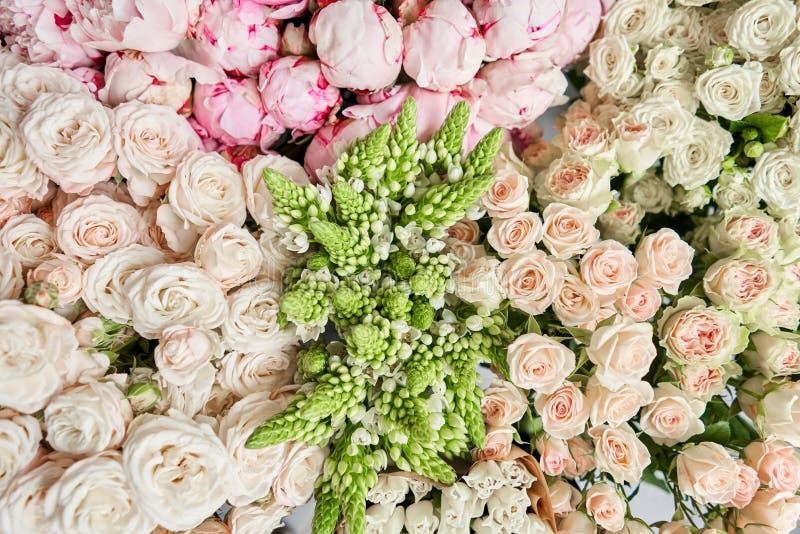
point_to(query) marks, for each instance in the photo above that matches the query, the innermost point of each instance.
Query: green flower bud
(143, 396)
(312, 361)
(319, 260)
(753, 149)
(422, 315)
(42, 294)
(395, 303)
(402, 265)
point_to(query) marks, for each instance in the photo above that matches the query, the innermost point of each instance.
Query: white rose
(94, 495)
(19, 443)
(87, 419)
(477, 283)
(636, 148)
(732, 92)
(150, 141)
(732, 192)
(254, 470)
(612, 66)
(33, 340)
(174, 294)
(104, 281)
(249, 372)
(257, 195)
(294, 483)
(18, 175)
(207, 190)
(760, 28)
(681, 90)
(673, 416)
(183, 350)
(698, 162)
(782, 413)
(78, 160)
(276, 257)
(257, 518)
(635, 20)
(576, 181)
(22, 507)
(11, 280)
(770, 94)
(669, 122)
(91, 227)
(228, 253)
(667, 62)
(616, 407)
(30, 239)
(622, 351)
(776, 179)
(252, 320)
(22, 84)
(650, 192)
(179, 470)
(683, 27)
(188, 399)
(172, 234)
(790, 68)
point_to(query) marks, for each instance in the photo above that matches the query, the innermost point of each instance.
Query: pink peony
(296, 95)
(231, 112)
(370, 56)
(40, 31)
(239, 35)
(443, 48)
(332, 140)
(512, 93)
(146, 25)
(577, 27)
(511, 26)
(295, 41)
(153, 78)
(285, 9)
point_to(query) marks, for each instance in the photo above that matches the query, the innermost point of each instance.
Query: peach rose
(507, 196)
(776, 462)
(582, 453)
(539, 363)
(641, 301)
(64, 273)
(585, 137)
(568, 231)
(707, 473)
(228, 253)
(554, 455)
(673, 416)
(564, 497)
(576, 303)
(770, 512)
(664, 259)
(576, 522)
(773, 355)
(564, 412)
(704, 382)
(618, 452)
(756, 232)
(622, 223)
(503, 404)
(608, 268)
(606, 506)
(477, 283)
(498, 444)
(578, 181)
(746, 485)
(741, 284)
(616, 407)
(516, 235)
(531, 281)
(622, 351)
(466, 231)
(540, 154)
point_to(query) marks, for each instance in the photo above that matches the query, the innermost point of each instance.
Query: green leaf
(719, 432)
(772, 127)
(649, 477)
(533, 326)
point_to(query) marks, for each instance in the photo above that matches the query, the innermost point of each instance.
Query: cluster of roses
(685, 131)
(256, 74)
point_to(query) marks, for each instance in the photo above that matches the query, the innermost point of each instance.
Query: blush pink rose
(665, 259)
(622, 351)
(776, 462)
(539, 363)
(531, 281)
(564, 412)
(741, 284)
(511, 27)
(746, 485)
(756, 232)
(707, 473)
(576, 303)
(673, 416)
(503, 404)
(608, 268)
(564, 497)
(616, 407)
(507, 196)
(64, 273)
(770, 512)
(231, 112)
(466, 231)
(582, 452)
(498, 444)
(606, 506)
(640, 302)
(585, 137)
(618, 452)
(701, 381)
(515, 235)
(296, 95)
(568, 231)
(554, 455)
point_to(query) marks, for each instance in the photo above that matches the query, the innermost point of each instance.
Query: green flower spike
(353, 206)
(366, 158)
(293, 204)
(444, 148)
(288, 426)
(423, 368)
(403, 164)
(373, 343)
(337, 392)
(351, 303)
(326, 511)
(452, 438)
(405, 416)
(349, 247)
(480, 160)
(422, 459)
(462, 384)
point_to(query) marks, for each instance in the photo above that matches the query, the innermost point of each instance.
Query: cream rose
(477, 282)
(773, 355)
(790, 68)
(95, 495)
(11, 279)
(29, 238)
(179, 470)
(681, 90)
(150, 141)
(554, 455)
(174, 294)
(776, 463)
(188, 399)
(19, 443)
(531, 281)
(294, 483)
(770, 512)
(770, 94)
(249, 372)
(251, 324)
(466, 231)
(576, 522)
(731, 92)
(667, 62)
(503, 403)
(704, 382)
(207, 190)
(22, 84)
(782, 413)
(18, 175)
(776, 180)
(257, 518)
(707, 473)
(540, 154)
(257, 197)
(498, 444)
(568, 231)
(694, 334)
(635, 144)
(69, 138)
(606, 506)
(576, 303)
(618, 452)
(622, 351)
(616, 407)
(94, 226)
(664, 259)
(640, 302)
(64, 273)
(183, 350)
(698, 161)
(564, 412)
(760, 29)
(33, 341)
(22, 506)
(104, 281)
(608, 268)
(87, 419)
(756, 232)
(254, 470)
(228, 253)
(746, 486)
(539, 363)
(586, 137)
(612, 66)
(669, 122)
(565, 497)
(673, 416)
(577, 181)
(507, 196)
(635, 20)
(622, 223)
(740, 284)
(515, 235)
(276, 257)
